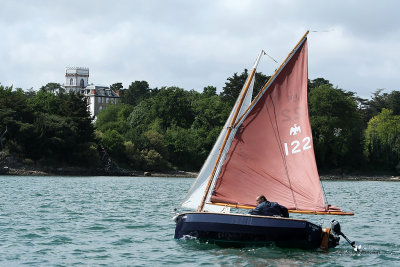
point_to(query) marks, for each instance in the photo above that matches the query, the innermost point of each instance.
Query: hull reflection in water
(237, 230)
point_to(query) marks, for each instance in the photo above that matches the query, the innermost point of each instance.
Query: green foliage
(154, 140)
(56, 137)
(152, 160)
(16, 101)
(183, 146)
(17, 115)
(74, 106)
(47, 127)
(173, 105)
(158, 129)
(45, 102)
(133, 155)
(336, 127)
(177, 127)
(52, 88)
(136, 92)
(317, 83)
(210, 91)
(210, 112)
(380, 101)
(113, 142)
(116, 87)
(141, 115)
(114, 117)
(382, 140)
(86, 155)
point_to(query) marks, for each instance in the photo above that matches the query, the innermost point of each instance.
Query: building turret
(76, 78)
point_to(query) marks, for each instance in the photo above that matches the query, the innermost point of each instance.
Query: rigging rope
(323, 191)
(270, 57)
(330, 30)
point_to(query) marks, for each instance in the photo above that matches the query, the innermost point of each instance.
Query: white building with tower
(99, 97)
(76, 78)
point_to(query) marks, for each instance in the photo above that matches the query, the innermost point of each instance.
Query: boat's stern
(328, 239)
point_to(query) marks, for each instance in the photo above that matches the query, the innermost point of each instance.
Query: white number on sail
(295, 146)
(307, 141)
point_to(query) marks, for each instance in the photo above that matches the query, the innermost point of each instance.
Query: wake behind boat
(266, 148)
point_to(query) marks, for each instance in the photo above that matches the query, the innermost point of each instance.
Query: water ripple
(120, 221)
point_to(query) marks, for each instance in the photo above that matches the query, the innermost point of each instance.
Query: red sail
(272, 153)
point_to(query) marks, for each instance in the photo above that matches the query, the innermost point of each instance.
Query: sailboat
(264, 148)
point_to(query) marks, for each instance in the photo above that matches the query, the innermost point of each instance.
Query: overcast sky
(193, 44)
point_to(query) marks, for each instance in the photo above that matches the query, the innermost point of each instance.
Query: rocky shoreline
(75, 171)
(13, 166)
(360, 178)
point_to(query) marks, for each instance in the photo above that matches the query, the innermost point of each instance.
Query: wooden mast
(243, 96)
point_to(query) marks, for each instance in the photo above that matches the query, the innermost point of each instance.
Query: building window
(71, 81)
(82, 83)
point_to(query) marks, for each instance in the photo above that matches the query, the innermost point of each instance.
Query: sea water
(127, 221)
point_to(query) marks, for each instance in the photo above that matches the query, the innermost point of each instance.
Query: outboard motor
(335, 227)
(336, 230)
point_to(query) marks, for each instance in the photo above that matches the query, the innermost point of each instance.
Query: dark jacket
(270, 209)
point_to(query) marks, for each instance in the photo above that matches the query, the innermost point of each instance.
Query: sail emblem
(295, 129)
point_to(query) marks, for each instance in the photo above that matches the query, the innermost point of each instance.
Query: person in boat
(264, 207)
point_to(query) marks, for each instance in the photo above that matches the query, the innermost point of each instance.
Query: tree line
(47, 128)
(158, 129)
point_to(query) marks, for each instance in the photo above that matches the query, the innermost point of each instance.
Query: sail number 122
(297, 146)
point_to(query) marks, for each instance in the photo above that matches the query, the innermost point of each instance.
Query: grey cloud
(192, 44)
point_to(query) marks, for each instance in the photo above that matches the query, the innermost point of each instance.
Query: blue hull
(247, 230)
